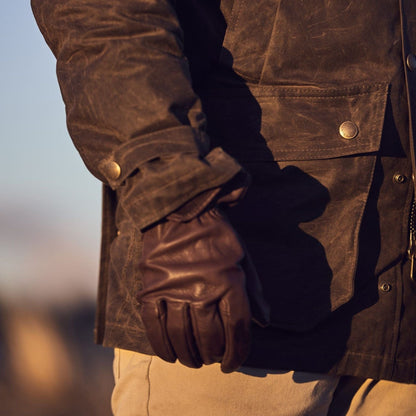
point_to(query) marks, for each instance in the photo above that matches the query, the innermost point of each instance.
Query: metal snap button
(112, 170)
(385, 287)
(399, 178)
(348, 130)
(411, 61)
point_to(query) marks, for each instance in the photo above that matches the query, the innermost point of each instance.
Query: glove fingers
(154, 319)
(180, 332)
(236, 320)
(209, 333)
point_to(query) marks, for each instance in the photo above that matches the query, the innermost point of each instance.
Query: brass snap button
(399, 178)
(385, 287)
(112, 170)
(348, 130)
(411, 61)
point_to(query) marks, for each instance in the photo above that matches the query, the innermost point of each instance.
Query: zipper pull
(411, 253)
(411, 250)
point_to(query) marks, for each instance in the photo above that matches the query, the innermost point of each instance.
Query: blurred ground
(49, 363)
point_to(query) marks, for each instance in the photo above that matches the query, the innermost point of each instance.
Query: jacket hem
(322, 361)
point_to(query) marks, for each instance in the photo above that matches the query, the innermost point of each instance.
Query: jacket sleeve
(131, 110)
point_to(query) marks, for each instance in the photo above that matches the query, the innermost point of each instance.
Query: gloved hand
(194, 304)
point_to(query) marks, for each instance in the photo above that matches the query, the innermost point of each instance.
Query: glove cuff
(226, 195)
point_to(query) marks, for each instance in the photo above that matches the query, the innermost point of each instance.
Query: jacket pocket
(311, 152)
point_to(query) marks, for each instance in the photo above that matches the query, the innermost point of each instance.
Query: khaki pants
(149, 386)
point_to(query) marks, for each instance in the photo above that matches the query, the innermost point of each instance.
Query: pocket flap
(284, 123)
(304, 123)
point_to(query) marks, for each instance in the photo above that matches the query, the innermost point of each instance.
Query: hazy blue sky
(49, 202)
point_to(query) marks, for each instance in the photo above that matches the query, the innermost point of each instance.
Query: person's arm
(138, 125)
(131, 110)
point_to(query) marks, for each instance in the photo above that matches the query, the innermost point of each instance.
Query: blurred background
(49, 240)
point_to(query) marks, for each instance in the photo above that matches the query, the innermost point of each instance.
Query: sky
(49, 203)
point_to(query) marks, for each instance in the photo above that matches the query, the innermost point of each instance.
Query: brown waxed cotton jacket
(315, 99)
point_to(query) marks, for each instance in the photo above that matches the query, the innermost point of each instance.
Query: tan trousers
(149, 386)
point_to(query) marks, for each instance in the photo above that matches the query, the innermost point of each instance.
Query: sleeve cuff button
(112, 170)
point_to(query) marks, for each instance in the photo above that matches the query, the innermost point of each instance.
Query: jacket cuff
(164, 185)
(134, 154)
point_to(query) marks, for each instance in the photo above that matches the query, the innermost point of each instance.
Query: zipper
(411, 251)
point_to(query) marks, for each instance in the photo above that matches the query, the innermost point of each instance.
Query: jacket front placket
(408, 32)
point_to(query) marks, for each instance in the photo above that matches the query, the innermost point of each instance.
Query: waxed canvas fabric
(184, 94)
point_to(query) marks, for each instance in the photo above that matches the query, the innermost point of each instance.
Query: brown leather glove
(194, 304)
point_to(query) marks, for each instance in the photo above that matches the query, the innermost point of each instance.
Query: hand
(194, 304)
